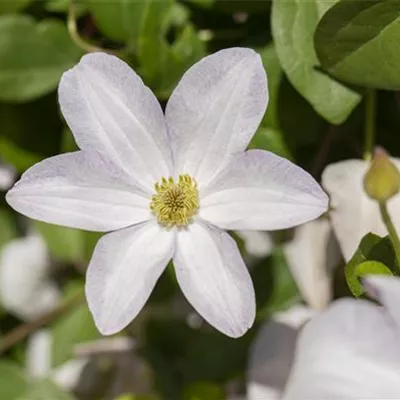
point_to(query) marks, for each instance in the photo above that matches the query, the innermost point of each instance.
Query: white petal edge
(80, 190)
(110, 110)
(353, 214)
(214, 278)
(123, 272)
(215, 110)
(259, 190)
(312, 256)
(385, 289)
(272, 353)
(342, 355)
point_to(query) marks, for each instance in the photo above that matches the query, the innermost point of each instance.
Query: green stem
(370, 115)
(391, 229)
(79, 41)
(73, 31)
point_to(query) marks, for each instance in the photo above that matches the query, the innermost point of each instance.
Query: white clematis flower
(25, 287)
(353, 213)
(351, 351)
(312, 256)
(168, 185)
(272, 353)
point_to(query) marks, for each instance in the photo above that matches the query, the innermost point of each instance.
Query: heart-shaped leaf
(358, 42)
(293, 26)
(33, 56)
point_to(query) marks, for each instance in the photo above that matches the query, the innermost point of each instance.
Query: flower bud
(382, 180)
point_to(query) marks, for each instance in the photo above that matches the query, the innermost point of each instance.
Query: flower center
(175, 203)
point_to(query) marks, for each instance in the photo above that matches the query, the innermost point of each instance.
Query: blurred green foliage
(317, 76)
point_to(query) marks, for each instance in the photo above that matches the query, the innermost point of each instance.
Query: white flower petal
(7, 176)
(257, 243)
(312, 256)
(259, 190)
(350, 351)
(353, 214)
(272, 353)
(215, 110)
(214, 278)
(81, 190)
(38, 354)
(109, 109)
(25, 289)
(385, 289)
(123, 271)
(68, 375)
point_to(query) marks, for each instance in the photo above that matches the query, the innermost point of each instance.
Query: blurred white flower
(257, 243)
(39, 362)
(25, 287)
(271, 355)
(168, 186)
(350, 351)
(312, 256)
(7, 176)
(353, 213)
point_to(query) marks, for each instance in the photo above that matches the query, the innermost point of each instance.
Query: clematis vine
(168, 186)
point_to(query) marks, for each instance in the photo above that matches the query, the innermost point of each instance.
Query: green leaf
(33, 56)
(293, 25)
(272, 140)
(272, 65)
(374, 255)
(66, 244)
(274, 284)
(19, 158)
(300, 124)
(75, 327)
(62, 6)
(8, 228)
(161, 64)
(126, 20)
(358, 42)
(13, 382)
(203, 391)
(13, 6)
(269, 136)
(45, 390)
(179, 14)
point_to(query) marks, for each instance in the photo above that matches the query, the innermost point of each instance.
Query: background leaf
(32, 56)
(13, 6)
(293, 25)
(374, 254)
(75, 327)
(13, 382)
(45, 390)
(66, 244)
(358, 42)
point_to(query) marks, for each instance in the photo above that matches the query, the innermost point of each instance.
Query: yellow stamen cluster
(174, 204)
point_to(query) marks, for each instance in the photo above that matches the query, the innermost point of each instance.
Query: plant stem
(391, 229)
(73, 31)
(21, 331)
(369, 129)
